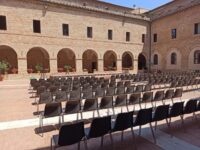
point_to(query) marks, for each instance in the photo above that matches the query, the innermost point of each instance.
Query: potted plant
(30, 70)
(4, 66)
(67, 68)
(39, 68)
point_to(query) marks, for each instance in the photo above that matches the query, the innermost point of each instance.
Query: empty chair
(65, 88)
(139, 88)
(191, 107)
(69, 134)
(147, 88)
(40, 90)
(123, 122)
(143, 117)
(100, 92)
(110, 92)
(90, 105)
(147, 97)
(120, 90)
(112, 84)
(120, 84)
(53, 89)
(50, 110)
(178, 93)
(161, 113)
(75, 95)
(44, 98)
(130, 89)
(61, 96)
(120, 101)
(72, 107)
(169, 95)
(127, 83)
(99, 128)
(134, 99)
(106, 103)
(159, 96)
(87, 95)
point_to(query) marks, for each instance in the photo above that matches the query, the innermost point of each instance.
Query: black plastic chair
(191, 107)
(99, 128)
(90, 105)
(130, 89)
(87, 95)
(72, 107)
(68, 135)
(106, 103)
(44, 98)
(110, 92)
(143, 117)
(61, 96)
(139, 88)
(120, 101)
(100, 92)
(134, 99)
(161, 113)
(120, 90)
(159, 96)
(147, 97)
(123, 122)
(50, 110)
(75, 95)
(178, 94)
(169, 95)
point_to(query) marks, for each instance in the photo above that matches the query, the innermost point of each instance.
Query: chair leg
(102, 141)
(63, 118)
(155, 126)
(98, 113)
(134, 139)
(140, 130)
(85, 143)
(79, 145)
(111, 139)
(152, 133)
(182, 122)
(122, 136)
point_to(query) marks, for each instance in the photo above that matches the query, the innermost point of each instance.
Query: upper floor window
(197, 28)
(197, 57)
(3, 25)
(155, 59)
(128, 36)
(155, 37)
(36, 26)
(89, 32)
(143, 38)
(173, 59)
(110, 34)
(173, 33)
(65, 29)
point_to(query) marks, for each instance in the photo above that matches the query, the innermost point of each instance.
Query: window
(155, 37)
(128, 36)
(89, 32)
(3, 25)
(173, 58)
(143, 38)
(155, 59)
(36, 26)
(197, 57)
(65, 29)
(197, 28)
(173, 33)
(110, 34)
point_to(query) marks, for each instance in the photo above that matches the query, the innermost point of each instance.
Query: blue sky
(148, 4)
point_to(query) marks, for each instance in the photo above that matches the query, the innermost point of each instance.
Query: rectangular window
(128, 36)
(110, 34)
(3, 25)
(89, 32)
(143, 38)
(155, 37)
(65, 29)
(36, 26)
(173, 33)
(197, 28)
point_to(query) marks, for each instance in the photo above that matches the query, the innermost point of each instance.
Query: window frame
(89, 32)
(128, 36)
(173, 33)
(3, 22)
(110, 34)
(65, 28)
(155, 59)
(36, 26)
(155, 37)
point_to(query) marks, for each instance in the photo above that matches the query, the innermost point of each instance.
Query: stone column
(79, 67)
(100, 66)
(119, 65)
(53, 65)
(22, 66)
(135, 66)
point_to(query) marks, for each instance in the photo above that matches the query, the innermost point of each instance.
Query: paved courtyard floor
(19, 126)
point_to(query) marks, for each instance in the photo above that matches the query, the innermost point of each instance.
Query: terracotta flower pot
(30, 70)
(1, 77)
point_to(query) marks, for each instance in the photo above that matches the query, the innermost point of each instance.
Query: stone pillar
(119, 65)
(135, 66)
(22, 66)
(100, 66)
(53, 65)
(79, 67)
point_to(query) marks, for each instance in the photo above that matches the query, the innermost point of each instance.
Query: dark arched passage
(90, 61)
(127, 61)
(142, 62)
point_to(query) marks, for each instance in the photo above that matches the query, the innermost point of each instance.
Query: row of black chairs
(75, 133)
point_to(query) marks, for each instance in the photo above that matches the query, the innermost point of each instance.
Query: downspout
(150, 47)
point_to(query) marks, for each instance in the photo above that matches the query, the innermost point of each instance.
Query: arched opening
(127, 61)
(110, 61)
(9, 56)
(155, 59)
(141, 62)
(66, 59)
(197, 57)
(37, 57)
(90, 61)
(173, 59)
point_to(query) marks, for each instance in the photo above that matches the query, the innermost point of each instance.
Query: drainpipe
(150, 47)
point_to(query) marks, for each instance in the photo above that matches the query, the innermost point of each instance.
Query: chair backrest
(100, 126)
(161, 112)
(130, 89)
(106, 102)
(178, 93)
(121, 100)
(71, 134)
(177, 109)
(120, 90)
(87, 95)
(169, 94)
(147, 87)
(159, 95)
(134, 98)
(100, 92)
(45, 98)
(190, 107)
(148, 96)
(40, 90)
(75, 95)
(139, 88)
(52, 109)
(61, 96)
(72, 106)
(90, 104)
(123, 121)
(110, 92)
(144, 116)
